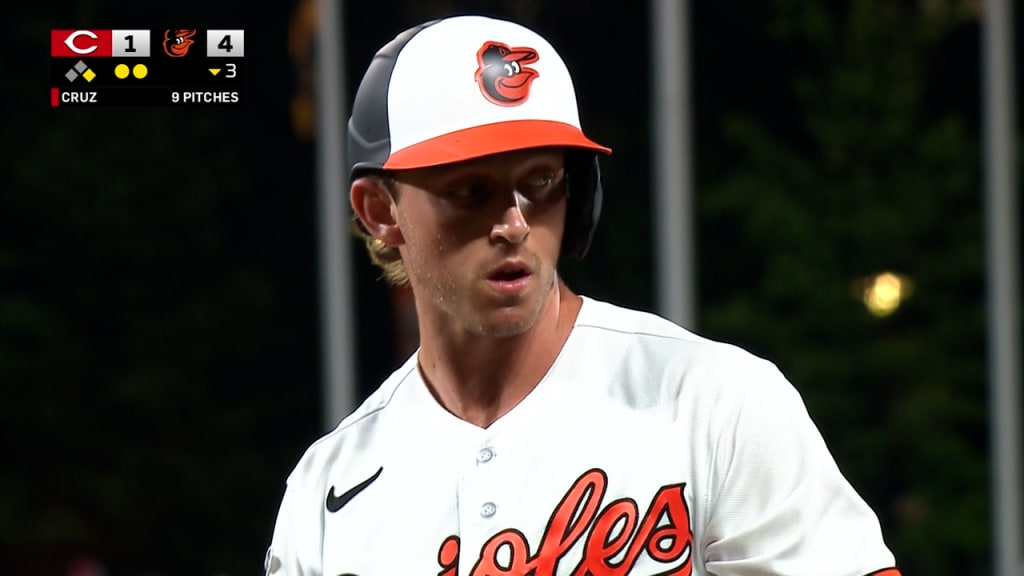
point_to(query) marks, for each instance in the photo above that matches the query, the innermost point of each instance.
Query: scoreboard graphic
(160, 67)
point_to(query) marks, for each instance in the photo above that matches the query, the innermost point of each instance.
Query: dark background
(159, 306)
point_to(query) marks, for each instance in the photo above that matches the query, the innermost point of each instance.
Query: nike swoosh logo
(334, 503)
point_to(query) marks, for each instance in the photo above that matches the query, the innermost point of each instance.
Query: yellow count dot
(121, 71)
(140, 71)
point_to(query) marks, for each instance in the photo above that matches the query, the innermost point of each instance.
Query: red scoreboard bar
(90, 43)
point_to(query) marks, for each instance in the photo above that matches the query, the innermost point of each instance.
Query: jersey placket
(483, 492)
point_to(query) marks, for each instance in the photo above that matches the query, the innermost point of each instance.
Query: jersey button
(485, 456)
(488, 509)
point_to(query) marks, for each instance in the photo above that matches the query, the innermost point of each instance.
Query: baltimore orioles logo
(503, 76)
(615, 536)
(176, 42)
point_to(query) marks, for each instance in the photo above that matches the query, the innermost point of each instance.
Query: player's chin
(506, 315)
(506, 322)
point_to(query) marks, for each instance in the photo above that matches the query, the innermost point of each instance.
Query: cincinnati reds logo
(177, 42)
(502, 74)
(615, 535)
(70, 42)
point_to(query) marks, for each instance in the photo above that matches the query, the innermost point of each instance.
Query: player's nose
(512, 226)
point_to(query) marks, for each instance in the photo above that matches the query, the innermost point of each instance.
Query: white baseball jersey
(644, 450)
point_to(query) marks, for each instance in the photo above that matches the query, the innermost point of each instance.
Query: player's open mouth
(508, 275)
(511, 277)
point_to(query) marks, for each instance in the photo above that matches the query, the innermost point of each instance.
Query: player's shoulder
(646, 331)
(605, 316)
(634, 346)
(356, 429)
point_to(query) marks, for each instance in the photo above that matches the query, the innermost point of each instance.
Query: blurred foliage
(866, 169)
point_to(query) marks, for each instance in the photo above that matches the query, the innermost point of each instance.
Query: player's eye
(539, 186)
(468, 191)
(540, 180)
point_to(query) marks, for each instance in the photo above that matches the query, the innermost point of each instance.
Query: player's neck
(479, 379)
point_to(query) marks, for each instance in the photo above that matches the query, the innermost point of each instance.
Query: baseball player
(536, 431)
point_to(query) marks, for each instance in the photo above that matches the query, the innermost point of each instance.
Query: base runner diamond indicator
(80, 69)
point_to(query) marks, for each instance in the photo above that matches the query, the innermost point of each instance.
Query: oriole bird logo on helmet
(503, 76)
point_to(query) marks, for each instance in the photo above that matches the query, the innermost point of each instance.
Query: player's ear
(374, 205)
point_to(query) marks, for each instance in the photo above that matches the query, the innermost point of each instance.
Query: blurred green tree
(868, 162)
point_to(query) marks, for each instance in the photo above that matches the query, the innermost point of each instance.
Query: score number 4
(225, 43)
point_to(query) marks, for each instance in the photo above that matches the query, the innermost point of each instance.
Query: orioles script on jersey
(664, 533)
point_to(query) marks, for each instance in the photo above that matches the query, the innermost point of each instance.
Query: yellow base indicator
(214, 71)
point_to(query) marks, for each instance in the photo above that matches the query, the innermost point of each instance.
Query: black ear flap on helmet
(583, 207)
